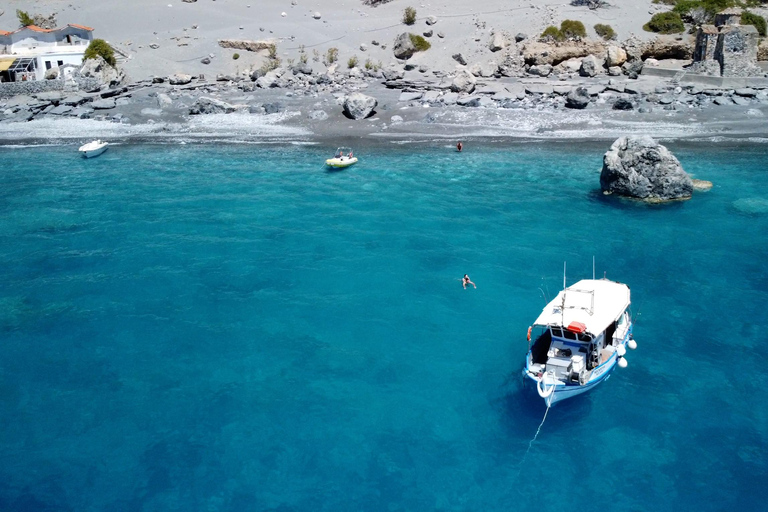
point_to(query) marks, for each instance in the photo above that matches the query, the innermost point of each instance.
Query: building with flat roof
(27, 53)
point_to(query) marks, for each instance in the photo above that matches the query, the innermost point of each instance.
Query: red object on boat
(577, 327)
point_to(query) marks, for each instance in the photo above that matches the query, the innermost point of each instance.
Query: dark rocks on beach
(274, 107)
(359, 106)
(623, 104)
(640, 167)
(578, 98)
(179, 79)
(632, 68)
(520, 37)
(459, 58)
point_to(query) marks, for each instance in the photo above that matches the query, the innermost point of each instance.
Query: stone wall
(737, 50)
(8, 89)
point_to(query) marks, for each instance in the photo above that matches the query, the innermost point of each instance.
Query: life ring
(529, 333)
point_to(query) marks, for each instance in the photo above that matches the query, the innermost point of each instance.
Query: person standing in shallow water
(465, 281)
(459, 146)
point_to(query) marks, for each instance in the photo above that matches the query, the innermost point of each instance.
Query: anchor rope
(548, 401)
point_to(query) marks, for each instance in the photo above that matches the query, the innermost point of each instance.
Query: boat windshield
(565, 334)
(343, 151)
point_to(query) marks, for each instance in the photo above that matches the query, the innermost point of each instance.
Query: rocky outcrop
(545, 53)
(615, 56)
(246, 44)
(98, 69)
(463, 82)
(403, 47)
(590, 66)
(667, 47)
(211, 106)
(359, 106)
(578, 98)
(640, 167)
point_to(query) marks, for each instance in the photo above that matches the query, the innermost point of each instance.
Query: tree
(24, 18)
(100, 48)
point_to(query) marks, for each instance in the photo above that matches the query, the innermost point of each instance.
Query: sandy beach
(156, 40)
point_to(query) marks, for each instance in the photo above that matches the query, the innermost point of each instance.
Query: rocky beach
(285, 69)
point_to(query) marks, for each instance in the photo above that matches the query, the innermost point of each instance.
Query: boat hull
(93, 153)
(339, 163)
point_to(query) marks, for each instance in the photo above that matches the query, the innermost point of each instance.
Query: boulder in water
(641, 168)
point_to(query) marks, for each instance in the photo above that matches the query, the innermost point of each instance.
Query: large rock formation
(403, 47)
(578, 98)
(359, 106)
(463, 82)
(536, 53)
(211, 106)
(641, 168)
(99, 69)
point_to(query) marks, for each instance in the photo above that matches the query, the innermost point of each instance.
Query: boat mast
(562, 306)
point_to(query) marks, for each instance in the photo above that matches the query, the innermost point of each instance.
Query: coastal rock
(431, 20)
(52, 74)
(667, 47)
(211, 106)
(359, 106)
(632, 68)
(578, 98)
(318, 115)
(623, 104)
(463, 82)
(316, 15)
(103, 104)
(403, 47)
(99, 69)
(541, 70)
(274, 107)
(498, 41)
(642, 168)
(615, 56)
(545, 53)
(520, 37)
(701, 185)
(590, 66)
(179, 79)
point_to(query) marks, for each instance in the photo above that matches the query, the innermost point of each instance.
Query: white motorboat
(578, 339)
(342, 158)
(93, 148)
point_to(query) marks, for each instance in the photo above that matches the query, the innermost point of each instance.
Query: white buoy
(621, 350)
(623, 362)
(632, 344)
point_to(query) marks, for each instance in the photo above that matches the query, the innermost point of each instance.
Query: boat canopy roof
(596, 303)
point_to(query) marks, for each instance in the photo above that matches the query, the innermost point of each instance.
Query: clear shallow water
(233, 328)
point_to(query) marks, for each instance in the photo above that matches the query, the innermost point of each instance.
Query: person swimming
(459, 146)
(465, 281)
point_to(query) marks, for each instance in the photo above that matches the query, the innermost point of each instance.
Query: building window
(47, 64)
(60, 62)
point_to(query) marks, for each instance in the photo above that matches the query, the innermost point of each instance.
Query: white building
(27, 53)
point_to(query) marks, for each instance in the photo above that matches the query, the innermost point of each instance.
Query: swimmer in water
(465, 281)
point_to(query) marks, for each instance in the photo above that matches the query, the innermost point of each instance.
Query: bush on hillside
(352, 62)
(572, 29)
(552, 33)
(665, 23)
(419, 42)
(100, 48)
(757, 21)
(690, 9)
(331, 56)
(605, 31)
(409, 16)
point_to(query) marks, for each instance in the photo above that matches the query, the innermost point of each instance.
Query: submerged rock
(641, 168)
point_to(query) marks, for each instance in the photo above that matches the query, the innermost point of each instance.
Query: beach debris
(189, 1)
(640, 167)
(428, 33)
(316, 15)
(154, 46)
(205, 60)
(578, 98)
(283, 14)
(363, 47)
(431, 20)
(359, 106)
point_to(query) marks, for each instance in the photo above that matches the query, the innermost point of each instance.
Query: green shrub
(552, 33)
(572, 29)
(419, 42)
(710, 7)
(352, 62)
(665, 23)
(665, 2)
(269, 65)
(24, 18)
(272, 49)
(332, 55)
(235, 56)
(748, 18)
(409, 16)
(605, 31)
(100, 48)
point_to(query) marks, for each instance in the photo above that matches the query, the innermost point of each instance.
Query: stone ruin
(726, 48)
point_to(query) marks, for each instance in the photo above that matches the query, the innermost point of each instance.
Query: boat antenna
(564, 274)
(593, 267)
(562, 306)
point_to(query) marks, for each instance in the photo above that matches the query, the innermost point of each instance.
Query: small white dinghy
(93, 148)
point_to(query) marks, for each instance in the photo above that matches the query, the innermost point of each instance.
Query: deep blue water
(232, 328)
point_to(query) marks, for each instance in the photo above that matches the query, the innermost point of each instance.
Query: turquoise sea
(230, 327)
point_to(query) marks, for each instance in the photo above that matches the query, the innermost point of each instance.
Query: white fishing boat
(93, 148)
(342, 158)
(578, 339)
